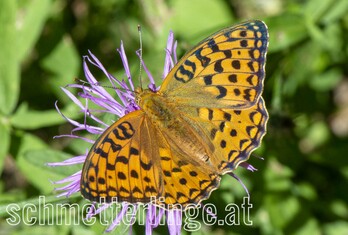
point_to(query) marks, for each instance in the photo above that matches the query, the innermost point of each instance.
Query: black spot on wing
(122, 159)
(243, 43)
(110, 167)
(145, 166)
(218, 66)
(136, 190)
(212, 45)
(101, 152)
(121, 176)
(208, 79)
(203, 59)
(236, 64)
(133, 151)
(227, 116)
(115, 147)
(124, 131)
(232, 78)
(223, 92)
(186, 74)
(134, 174)
(222, 126)
(227, 53)
(243, 33)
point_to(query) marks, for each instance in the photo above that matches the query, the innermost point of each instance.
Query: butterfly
(205, 120)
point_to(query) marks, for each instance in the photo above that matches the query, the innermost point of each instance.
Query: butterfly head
(141, 95)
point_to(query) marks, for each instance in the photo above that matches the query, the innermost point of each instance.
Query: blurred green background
(300, 187)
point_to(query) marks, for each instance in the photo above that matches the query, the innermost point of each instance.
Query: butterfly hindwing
(184, 181)
(233, 133)
(226, 70)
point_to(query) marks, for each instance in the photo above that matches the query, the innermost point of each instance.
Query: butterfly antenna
(79, 81)
(140, 56)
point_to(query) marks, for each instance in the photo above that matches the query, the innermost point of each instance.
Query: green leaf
(18, 35)
(64, 64)
(32, 158)
(317, 134)
(42, 157)
(29, 142)
(334, 43)
(30, 119)
(277, 91)
(338, 227)
(339, 208)
(34, 13)
(282, 209)
(306, 191)
(344, 172)
(277, 176)
(310, 58)
(327, 80)
(285, 31)
(187, 25)
(36, 161)
(5, 136)
(80, 146)
(79, 229)
(310, 226)
(9, 63)
(336, 11)
(314, 9)
(25, 228)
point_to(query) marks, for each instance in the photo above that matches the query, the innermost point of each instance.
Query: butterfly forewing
(225, 70)
(123, 164)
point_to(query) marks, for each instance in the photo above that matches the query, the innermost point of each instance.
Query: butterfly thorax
(168, 119)
(155, 106)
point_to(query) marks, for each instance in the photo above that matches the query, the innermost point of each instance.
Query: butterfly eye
(137, 100)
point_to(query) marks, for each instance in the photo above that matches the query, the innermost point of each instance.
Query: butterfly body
(164, 116)
(205, 120)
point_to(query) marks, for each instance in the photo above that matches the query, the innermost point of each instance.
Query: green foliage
(300, 186)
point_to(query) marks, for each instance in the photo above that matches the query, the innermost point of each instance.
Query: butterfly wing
(123, 163)
(226, 70)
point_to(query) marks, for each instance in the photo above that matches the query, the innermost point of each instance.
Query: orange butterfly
(206, 119)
